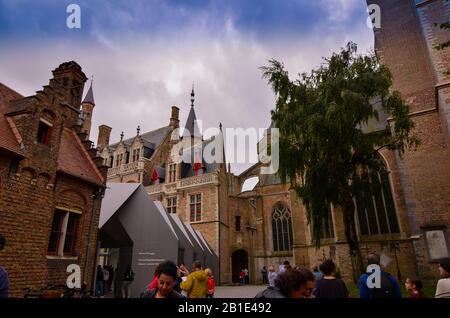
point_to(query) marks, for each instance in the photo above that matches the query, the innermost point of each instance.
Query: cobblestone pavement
(247, 291)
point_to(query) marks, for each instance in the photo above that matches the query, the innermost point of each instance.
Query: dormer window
(44, 132)
(172, 172)
(119, 159)
(136, 153)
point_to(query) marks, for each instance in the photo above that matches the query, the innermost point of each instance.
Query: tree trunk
(348, 212)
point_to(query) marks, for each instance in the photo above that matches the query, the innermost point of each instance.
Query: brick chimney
(104, 133)
(174, 117)
(70, 82)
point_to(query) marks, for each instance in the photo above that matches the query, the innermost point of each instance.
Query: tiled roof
(9, 136)
(152, 139)
(74, 160)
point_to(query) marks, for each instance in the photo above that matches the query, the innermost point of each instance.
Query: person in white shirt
(246, 276)
(271, 276)
(105, 279)
(443, 285)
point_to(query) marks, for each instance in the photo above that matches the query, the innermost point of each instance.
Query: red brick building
(50, 183)
(406, 43)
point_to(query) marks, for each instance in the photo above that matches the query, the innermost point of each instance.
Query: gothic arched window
(376, 210)
(281, 228)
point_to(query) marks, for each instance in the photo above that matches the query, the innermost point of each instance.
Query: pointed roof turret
(89, 98)
(191, 128)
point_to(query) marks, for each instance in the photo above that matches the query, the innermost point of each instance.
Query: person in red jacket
(211, 283)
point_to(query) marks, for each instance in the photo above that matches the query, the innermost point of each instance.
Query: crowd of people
(323, 282)
(104, 280)
(172, 281)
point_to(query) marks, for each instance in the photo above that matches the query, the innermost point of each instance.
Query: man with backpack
(388, 287)
(128, 278)
(196, 283)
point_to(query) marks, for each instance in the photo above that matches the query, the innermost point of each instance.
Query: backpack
(129, 276)
(386, 290)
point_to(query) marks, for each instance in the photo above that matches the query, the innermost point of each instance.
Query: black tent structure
(186, 245)
(143, 234)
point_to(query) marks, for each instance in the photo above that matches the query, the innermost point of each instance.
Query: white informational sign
(437, 245)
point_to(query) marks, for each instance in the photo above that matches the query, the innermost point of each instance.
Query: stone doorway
(239, 261)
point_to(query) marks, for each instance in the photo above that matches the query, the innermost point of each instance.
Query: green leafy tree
(324, 152)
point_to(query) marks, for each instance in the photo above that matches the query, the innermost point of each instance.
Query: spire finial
(220, 126)
(89, 98)
(192, 95)
(138, 130)
(121, 136)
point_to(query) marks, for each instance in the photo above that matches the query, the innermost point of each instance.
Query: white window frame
(62, 240)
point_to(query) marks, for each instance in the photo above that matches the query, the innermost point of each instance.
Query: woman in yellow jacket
(196, 283)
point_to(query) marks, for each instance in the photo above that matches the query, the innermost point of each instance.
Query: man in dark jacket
(4, 282)
(166, 282)
(99, 292)
(389, 287)
(128, 279)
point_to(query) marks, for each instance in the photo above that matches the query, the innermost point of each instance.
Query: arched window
(376, 210)
(281, 228)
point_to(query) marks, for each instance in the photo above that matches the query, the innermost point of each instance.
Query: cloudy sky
(145, 54)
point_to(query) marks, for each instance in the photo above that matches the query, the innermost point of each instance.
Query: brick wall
(405, 44)
(32, 189)
(27, 205)
(430, 14)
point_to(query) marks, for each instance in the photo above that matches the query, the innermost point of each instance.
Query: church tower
(192, 131)
(192, 138)
(87, 107)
